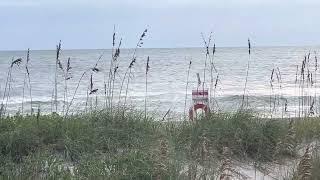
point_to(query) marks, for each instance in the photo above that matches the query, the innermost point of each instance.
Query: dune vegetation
(130, 146)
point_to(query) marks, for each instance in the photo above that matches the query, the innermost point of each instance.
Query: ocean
(167, 79)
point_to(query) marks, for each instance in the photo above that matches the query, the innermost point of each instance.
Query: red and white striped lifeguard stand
(200, 100)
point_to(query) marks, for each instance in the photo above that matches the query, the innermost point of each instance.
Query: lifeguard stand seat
(200, 100)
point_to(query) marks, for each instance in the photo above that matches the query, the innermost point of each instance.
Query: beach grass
(130, 146)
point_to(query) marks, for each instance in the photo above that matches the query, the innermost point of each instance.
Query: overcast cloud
(40, 24)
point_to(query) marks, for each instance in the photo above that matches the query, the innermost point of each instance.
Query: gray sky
(80, 24)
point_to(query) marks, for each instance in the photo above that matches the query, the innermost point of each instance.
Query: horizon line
(180, 47)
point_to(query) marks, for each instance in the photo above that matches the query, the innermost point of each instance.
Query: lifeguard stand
(200, 100)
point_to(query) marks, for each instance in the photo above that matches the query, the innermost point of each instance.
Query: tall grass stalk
(207, 45)
(90, 89)
(115, 57)
(110, 75)
(247, 75)
(146, 95)
(271, 90)
(295, 87)
(58, 51)
(212, 68)
(215, 102)
(301, 87)
(127, 74)
(284, 106)
(315, 80)
(23, 89)
(24, 84)
(29, 79)
(67, 76)
(75, 92)
(7, 90)
(186, 93)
